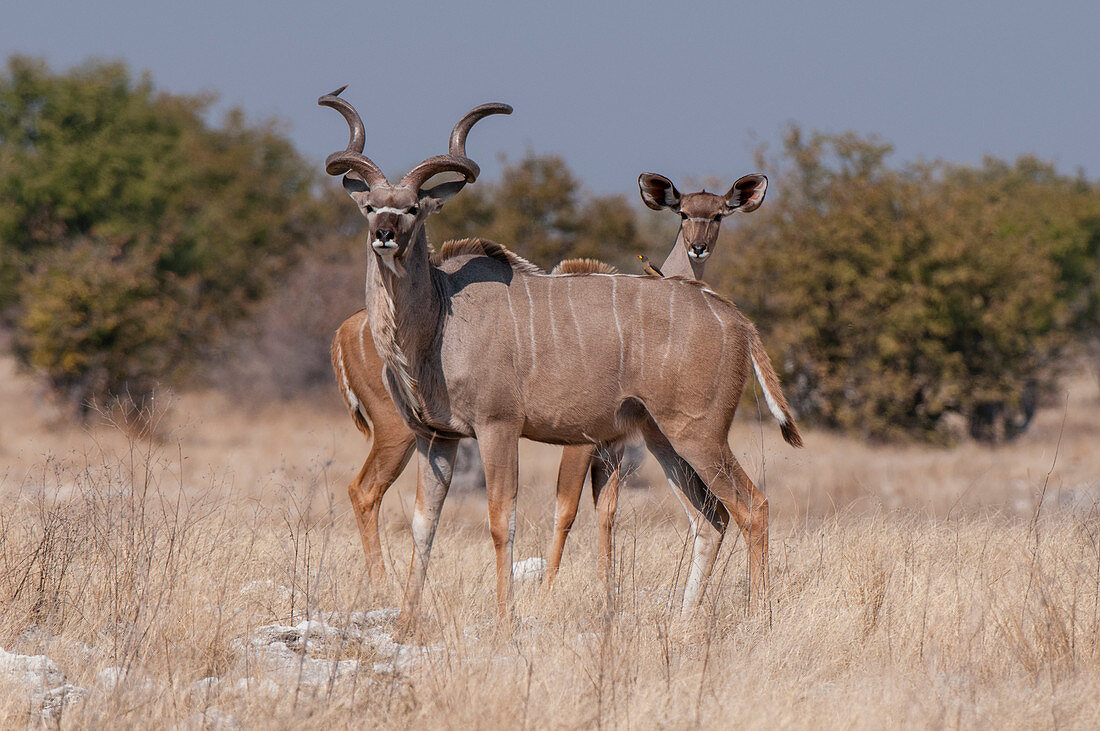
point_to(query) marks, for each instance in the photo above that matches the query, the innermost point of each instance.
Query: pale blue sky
(684, 89)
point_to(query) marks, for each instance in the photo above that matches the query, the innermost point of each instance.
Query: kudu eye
(369, 209)
(683, 216)
(414, 210)
(717, 217)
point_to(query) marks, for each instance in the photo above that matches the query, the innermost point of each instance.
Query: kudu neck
(679, 264)
(408, 304)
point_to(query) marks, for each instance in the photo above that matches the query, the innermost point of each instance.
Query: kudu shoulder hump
(484, 247)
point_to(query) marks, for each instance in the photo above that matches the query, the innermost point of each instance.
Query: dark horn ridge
(457, 160)
(352, 157)
(457, 145)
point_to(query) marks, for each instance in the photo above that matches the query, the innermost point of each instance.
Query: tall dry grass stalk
(171, 580)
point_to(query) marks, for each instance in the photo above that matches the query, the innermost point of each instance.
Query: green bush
(131, 231)
(540, 210)
(101, 324)
(895, 299)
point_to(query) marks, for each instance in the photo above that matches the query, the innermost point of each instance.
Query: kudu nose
(698, 249)
(385, 234)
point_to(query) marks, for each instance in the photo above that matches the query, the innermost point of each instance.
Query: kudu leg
(575, 461)
(708, 517)
(384, 463)
(500, 457)
(728, 482)
(606, 474)
(435, 462)
(752, 519)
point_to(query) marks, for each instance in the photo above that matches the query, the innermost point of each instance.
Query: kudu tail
(773, 392)
(355, 406)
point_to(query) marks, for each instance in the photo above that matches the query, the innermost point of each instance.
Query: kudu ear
(746, 194)
(355, 185)
(442, 192)
(658, 192)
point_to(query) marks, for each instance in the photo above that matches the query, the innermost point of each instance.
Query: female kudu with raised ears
(457, 337)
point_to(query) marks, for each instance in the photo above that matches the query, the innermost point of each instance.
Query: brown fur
(483, 247)
(658, 193)
(358, 371)
(583, 266)
(357, 364)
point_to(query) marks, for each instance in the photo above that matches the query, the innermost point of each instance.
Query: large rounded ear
(747, 193)
(658, 192)
(442, 186)
(355, 185)
(443, 191)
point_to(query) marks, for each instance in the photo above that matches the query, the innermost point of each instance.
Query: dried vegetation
(213, 578)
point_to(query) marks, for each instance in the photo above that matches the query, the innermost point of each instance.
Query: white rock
(46, 687)
(204, 686)
(285, 650)
(529, 570)
(54, 700)
(110, 678)
(252, 686)
(31, 669)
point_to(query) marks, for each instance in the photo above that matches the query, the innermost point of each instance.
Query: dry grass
(910, 586)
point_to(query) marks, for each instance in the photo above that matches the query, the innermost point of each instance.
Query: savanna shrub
(894, 298)
(131, 230)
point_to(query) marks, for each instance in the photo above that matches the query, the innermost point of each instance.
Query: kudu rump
(478, 342)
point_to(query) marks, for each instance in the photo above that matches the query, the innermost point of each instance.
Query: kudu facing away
(701, 217)
(458, 340)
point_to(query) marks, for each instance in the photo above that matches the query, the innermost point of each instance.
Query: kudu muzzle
(698, 237)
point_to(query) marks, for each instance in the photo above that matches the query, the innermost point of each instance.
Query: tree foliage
(131, 230)
(540, 209)
(899, 301)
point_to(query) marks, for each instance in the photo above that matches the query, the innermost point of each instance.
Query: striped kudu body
(701, 217)
(480, 343)
(358, 371)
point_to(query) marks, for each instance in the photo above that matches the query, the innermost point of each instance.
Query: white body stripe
(515, 328)
(619, 330)
(530, 320)
(772, 405)
(353, 402)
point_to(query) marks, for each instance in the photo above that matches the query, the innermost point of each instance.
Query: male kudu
(358, 371)
(458, 341)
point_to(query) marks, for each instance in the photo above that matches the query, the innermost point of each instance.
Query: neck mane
(404, 313)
